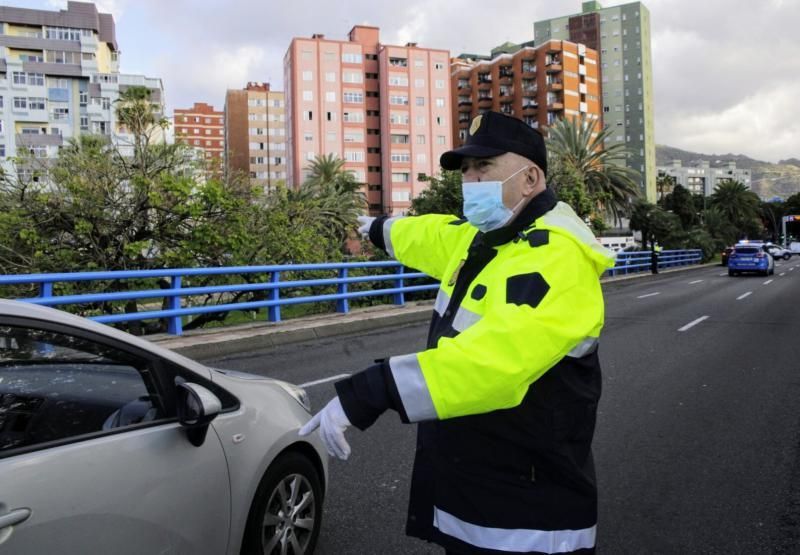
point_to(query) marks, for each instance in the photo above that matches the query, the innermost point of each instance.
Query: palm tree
(334, 194)
(737, 204)
(609, 183)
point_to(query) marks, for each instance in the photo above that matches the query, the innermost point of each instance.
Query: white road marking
(324, 380)
(783, 274)
(693, 323)
(696, 281)
(725, 274)
(768, 282)
(648, 295)
(791, 269)
(740, 297)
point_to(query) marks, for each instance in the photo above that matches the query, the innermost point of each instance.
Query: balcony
(506, 93)
(484, 100)
(555, 85)
(507, 109)
(555, 106)
(554, 67)
(506, 73)
(484, 79)
(530, 108)
(465, 106)
(528, 68)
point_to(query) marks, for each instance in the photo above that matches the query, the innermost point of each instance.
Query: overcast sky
(726, 72)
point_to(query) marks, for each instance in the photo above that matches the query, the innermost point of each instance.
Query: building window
(353, 97)
(401, 196)
(438, 65)
(419, 62)
(330, 76)
(440, 102)
(420, 120)
(400, 177)
(308, 137)
(399, 118)
(398, 100)
(308, 76)
(440, 139)
(440, 83)
(353, 117)
(420, 139)
(354, 155)
(419, 83)
(398, 139)
(421, 158)
(330, 137)
(308, 115)
(330, 96)
(420, 101)
(352, 77)
(19, 78)
(354, 137)
(308, 95)
(351, 58)
(35, 103)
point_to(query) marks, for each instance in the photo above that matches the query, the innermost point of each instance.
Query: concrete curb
(219, 342)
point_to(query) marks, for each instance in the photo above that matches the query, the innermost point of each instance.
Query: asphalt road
(698, 439)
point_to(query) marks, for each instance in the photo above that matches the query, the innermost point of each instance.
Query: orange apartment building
(255, 134)
(538, 85)
(384, 109)
(203, 128)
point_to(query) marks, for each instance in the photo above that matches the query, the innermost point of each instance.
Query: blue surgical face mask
(483, 203)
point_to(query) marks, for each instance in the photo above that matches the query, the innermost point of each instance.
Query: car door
(92, 458)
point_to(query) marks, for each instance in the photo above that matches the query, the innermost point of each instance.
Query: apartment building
(255, 134)
(701, 178)
(384, 109)
(60, 78)
(539, 85)
(202, 128)
(621, 35)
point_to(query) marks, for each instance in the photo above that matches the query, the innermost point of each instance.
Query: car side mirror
(197, 407)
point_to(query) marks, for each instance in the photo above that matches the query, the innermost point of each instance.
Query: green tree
(609, 184)
(738, 205)
(334, 195)
(568, 184)
(442, 196)
(664, 186)
(681, 203)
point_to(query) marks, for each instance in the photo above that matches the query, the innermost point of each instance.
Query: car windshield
(746, 250)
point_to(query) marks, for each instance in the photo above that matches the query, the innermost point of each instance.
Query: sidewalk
(218, 342)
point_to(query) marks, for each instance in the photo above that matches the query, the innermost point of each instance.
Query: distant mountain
(767, 179)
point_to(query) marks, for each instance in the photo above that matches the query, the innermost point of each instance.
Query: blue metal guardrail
(627, 262)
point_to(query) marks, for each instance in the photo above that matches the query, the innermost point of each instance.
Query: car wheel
(731, 273)
(787, 256)
(286, 514)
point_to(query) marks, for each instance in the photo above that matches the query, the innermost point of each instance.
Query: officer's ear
(532, 180)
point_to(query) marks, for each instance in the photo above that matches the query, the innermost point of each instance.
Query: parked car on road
(110, 444)
(750, 257)
(725, 254)
(778, 252)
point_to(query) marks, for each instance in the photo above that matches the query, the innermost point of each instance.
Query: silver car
(109, 444)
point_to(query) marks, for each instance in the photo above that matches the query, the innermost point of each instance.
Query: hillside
(768, 179)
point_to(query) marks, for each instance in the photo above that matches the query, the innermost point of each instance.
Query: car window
(746, 250)
(55, 386)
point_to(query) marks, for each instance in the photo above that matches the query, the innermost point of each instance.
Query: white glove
(332, 422)
(365, 222)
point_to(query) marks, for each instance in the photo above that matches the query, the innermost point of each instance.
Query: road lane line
(648, 295)
(324, 380)
(695, 281)
(783, 274)
(791, 269)
(693, 323)
(768, 282)
(725, 274)
(740, 297)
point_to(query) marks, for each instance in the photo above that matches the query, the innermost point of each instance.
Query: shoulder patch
(458, 222)
(479, 292)
(526, 289)
(538, 237)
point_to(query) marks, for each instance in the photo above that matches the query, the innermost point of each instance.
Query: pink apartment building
(384, 109)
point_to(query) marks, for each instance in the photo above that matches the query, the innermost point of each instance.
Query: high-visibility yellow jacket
(508, 384)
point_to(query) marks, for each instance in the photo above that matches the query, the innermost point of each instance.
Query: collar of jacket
(537, 207)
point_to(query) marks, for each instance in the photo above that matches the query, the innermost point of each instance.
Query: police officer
(506, 392)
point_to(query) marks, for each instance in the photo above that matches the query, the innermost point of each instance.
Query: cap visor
(451, 160)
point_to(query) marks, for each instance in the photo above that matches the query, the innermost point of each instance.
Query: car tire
(267, 522)
(731, 273)
(787, 256)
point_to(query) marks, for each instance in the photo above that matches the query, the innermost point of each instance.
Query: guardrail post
(274, 312)
(46, 289)
(174, 323)
(399, 298)
(342, 305)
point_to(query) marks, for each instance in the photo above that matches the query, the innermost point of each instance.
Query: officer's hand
(364, 222)
(332, 422)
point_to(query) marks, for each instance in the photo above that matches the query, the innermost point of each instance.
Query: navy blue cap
(492, 134)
